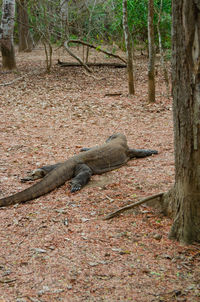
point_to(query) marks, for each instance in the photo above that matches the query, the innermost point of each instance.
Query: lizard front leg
(82, 175)
(39, 173)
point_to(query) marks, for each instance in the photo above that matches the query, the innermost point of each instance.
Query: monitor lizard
(113, 154)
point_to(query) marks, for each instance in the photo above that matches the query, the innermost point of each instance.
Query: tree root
(132, 205)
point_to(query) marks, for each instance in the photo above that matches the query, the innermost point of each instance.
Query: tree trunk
(151, 65)
(128, 49)
(186, 111)
(6, 34)
(25, 40)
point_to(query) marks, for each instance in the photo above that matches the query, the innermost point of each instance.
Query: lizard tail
(51, 181)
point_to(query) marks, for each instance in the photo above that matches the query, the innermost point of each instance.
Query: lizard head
(116, 136)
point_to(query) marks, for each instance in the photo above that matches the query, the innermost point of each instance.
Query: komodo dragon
(113, 154)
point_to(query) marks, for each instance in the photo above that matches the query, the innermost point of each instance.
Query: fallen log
(108, 64)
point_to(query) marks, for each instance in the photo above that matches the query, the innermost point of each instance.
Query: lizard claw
(26, 179)
(75, 188)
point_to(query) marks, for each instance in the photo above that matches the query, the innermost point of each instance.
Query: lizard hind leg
(139, 153)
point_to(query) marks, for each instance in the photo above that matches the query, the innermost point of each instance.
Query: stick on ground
(132, 205)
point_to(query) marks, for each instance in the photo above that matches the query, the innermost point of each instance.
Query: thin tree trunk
(128, 49)
(25, 39)
(162, 59)
(6, 34)
(89, 30)
(151, 65)
(64, 17)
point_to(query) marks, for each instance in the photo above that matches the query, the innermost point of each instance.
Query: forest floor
(58, 247)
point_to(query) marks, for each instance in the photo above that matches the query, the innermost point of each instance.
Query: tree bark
(6, 34)
(186, 112)
(151, 65)
(128, 49)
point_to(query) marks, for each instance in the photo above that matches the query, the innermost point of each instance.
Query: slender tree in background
(162, 58)
(151, 65)
(91, 11)
(25, 39)
(64, 11)
(128, 49)
(185, 196)
(6, 34)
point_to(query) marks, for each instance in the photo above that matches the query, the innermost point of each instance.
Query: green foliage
(137, 20)
(165, 24)
(99, 21)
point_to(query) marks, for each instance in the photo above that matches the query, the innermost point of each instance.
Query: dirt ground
(58, 247)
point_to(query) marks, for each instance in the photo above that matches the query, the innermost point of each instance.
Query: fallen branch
(113, 94)
(74, 64)
(66, 45)
(132, 205)
(7, 280)
(96, 48)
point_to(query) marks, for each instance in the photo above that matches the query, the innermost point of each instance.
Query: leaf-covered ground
(58, 247)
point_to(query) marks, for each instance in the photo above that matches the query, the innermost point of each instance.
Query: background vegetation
(94, 20)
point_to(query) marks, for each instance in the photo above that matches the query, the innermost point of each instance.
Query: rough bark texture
(128, 49)
(25, 40)
(151, 66)
(186, 110)
(6, 34)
